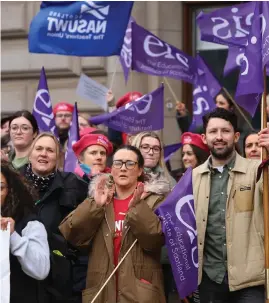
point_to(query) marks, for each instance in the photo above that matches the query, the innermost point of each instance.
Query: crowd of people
(69, 230)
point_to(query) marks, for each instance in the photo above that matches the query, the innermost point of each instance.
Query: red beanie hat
(92, 139)
(194, 139)
(86, 131)
(63, 106)
(131, 96)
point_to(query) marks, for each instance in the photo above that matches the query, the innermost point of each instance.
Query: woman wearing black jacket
(58, 193)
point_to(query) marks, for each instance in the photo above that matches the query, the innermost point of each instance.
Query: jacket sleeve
(146, 226)
(183, 122)
(80, 226)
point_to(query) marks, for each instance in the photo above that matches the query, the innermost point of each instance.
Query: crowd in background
(69, 230)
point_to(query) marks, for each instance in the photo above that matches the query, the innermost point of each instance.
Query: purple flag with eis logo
(42, 109)
(143, 114)
(204, 92)
(126, 50)
(228, 25)
(177, 216)
(71, 160)
(151, 55)
(234, 59)
(250, 84)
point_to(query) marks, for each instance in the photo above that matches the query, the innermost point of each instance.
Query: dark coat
(65, 193)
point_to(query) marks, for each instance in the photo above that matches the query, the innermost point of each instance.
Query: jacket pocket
(243, 198)
(146, 292)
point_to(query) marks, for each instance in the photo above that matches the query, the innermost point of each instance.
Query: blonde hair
(136, 141)
(57, 145)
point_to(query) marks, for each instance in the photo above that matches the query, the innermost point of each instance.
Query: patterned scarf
(40, 183)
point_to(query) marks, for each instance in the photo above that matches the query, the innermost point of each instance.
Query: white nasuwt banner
(5, 265)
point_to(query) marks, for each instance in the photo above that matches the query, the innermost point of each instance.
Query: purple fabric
(169, 150)
(143, 114)
(228, 25)
(203, 94)
(126, 51)
(151, 55)
(70, 157)
(42, 109)
(177, 216)
(250, 84)
(234, 59)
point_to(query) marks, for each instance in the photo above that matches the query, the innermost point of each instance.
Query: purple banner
(228, 25)
(169, 150)
(126, 51)
(70, 157)
(203, 94)
(153, 56)
(42, 109)
(234, 59)
(179, 227)
(143, 114)
(250, 83)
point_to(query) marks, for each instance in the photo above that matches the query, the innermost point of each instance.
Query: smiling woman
(58, 193)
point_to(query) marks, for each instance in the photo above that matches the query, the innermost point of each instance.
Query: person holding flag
(229, 216)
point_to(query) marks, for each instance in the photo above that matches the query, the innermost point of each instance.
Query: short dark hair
(5, 119)
(200, 154)
(140, 158)
(222, 114)
(27, 115)
(224, 95)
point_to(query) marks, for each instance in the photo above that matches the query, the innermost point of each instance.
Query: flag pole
(113, 272)
(171, 90)
(265, 193)
(114, 73)
(238, 108)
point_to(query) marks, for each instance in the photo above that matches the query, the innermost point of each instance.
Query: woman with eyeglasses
(155, 169)
(92, 151)
(29, 249)
(58, 193)
(23, 130)
(109, 222)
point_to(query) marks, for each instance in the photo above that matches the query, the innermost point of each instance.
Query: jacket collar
(239, 165)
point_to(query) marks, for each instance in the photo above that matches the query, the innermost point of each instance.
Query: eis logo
(87, 23)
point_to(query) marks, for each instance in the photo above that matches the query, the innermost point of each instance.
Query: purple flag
(151, 55)
(179, 227)
(73, 136)
(250, 83)
(203, 94)
(169, 150)
(234, 59)
(42, 110)
(126, 51)
(143, 114)
(228, 25)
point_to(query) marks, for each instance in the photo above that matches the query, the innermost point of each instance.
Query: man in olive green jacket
(229, 216)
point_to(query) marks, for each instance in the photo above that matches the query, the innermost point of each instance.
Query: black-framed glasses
(129, 164)
(23, 128)
(146, 148)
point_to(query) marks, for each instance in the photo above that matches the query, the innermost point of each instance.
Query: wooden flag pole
(113, 272)
(265, 194)
(171, 90)
(238, 108)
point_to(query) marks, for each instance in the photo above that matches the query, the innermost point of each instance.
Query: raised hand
(103, 194)
(181, 108)
(263, 137)
(109, 97)
(137, 196)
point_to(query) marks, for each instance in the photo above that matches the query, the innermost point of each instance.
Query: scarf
(40, 183)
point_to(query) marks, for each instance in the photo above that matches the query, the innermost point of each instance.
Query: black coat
(66, 192)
